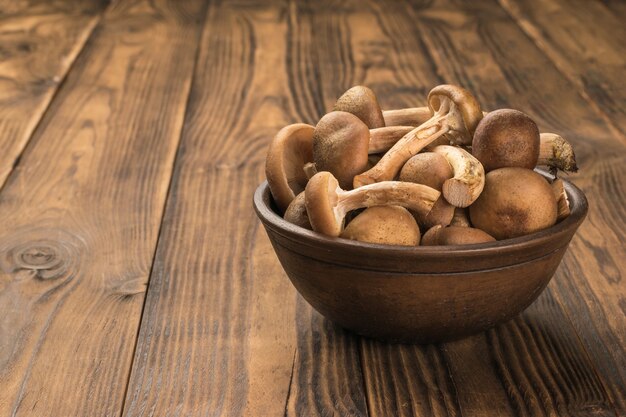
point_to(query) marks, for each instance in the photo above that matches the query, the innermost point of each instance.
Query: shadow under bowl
(421, 294)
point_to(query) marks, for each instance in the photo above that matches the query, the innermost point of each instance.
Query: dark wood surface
(135, 279)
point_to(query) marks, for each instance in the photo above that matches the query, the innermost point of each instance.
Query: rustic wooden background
(135, 279)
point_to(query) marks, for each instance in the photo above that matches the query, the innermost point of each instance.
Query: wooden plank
(81, 214)
(587, 43)
(223, 333)
(534, 365)
(40, 41)
(615, 6)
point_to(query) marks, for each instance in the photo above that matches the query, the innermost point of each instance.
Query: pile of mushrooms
(445, 174)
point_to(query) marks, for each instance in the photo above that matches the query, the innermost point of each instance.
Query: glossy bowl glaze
(418, 294)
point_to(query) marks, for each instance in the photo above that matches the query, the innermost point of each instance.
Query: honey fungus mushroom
(390, 225)
(289, 151)
(342, 143)
(296, 213)
(514, 202)
(455, 116)
(506, 138)
(562, 202)
(455, 235)
(469, 176)
(556, 153)
(361, 102)
(327, 204)
(433, 170)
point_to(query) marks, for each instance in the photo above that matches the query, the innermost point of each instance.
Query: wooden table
(135, 279)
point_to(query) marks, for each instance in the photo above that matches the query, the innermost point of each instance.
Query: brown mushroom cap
(455, 235)
(514, 202)
(289, 151)
(340, 146)
(461, 129)
(296, 212)
(506, 138)
(391, 225)
(427, 168)
(362, 102)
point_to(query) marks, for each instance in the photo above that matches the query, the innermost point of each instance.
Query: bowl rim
(578, 206)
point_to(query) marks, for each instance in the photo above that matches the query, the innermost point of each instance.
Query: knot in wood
(48, 259)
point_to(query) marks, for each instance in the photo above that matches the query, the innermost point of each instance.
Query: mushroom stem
(383, 138)
(413, 116)
(327, 204)
(410, 144)
(455, 115)
(556, 153)
(309, 169)
(562, 201)
(460, 218)
(469, 176)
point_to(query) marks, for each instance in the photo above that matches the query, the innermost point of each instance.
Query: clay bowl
(418, 294)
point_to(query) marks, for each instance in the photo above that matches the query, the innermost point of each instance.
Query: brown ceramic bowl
(418, 294)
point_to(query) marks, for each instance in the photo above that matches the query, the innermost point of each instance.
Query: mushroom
(469, 176)
(391, 225)
(289, 151)
(506, 138)
(515, 202)
(431, 169)
(296, 212)
(556, 153)
(362, 102)
(327, 204)
(562, 201)
(460, 218)
(455, 116)
(411, 116)
(342, 143)
(455, 235)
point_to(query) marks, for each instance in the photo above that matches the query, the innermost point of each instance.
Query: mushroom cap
(296, 212)
(466, 104)
(291, 148)
(441, 213)
(320, 199)
(514, 202)
(362, 102)
(506, 138)
(427, 168)
(340, 146)
(391, 225)
(455, 235)
(431, 237)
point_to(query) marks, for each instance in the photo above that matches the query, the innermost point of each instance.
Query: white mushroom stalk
(327, 204)
(469, 176)
(411, 116)
(562, 201)
(383, 138)
(455, 116)
(556, 153)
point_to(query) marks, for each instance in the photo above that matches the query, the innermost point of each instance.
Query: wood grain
(81, 214)
(587, 45)
(223, 333)
(39, 42)
(408, 380)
